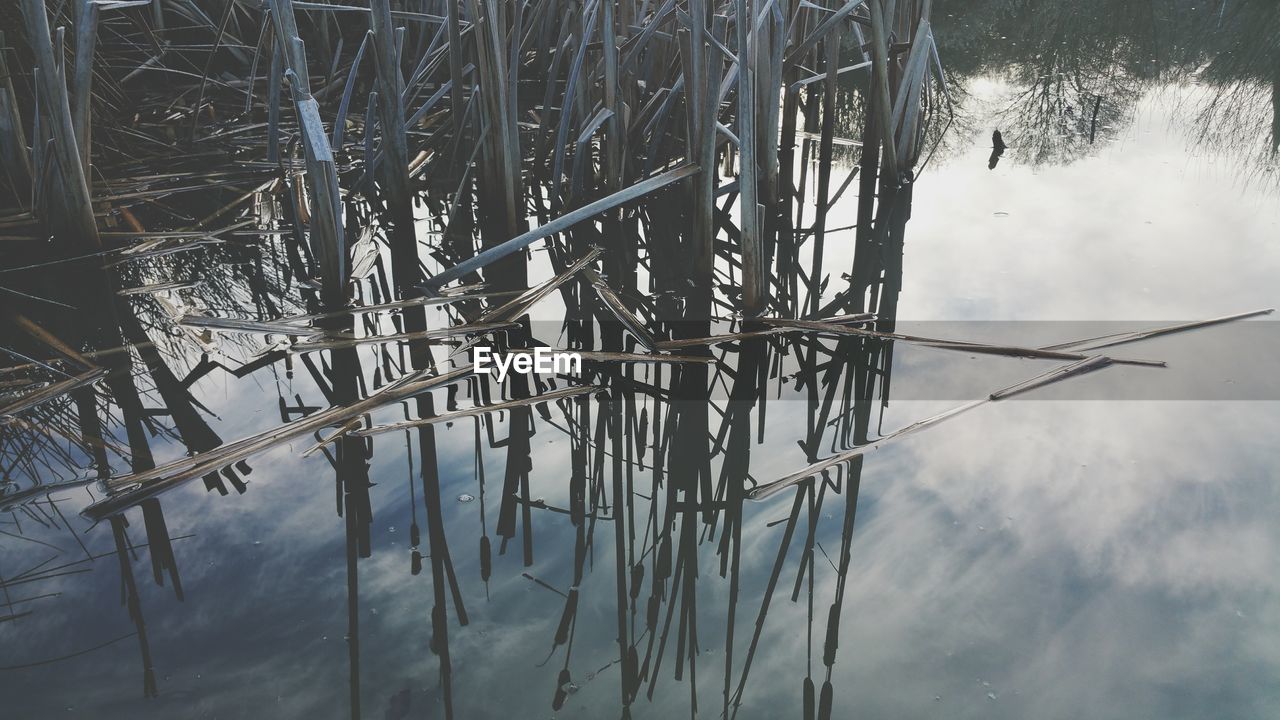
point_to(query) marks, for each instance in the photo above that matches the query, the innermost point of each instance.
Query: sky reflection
(1080, 558)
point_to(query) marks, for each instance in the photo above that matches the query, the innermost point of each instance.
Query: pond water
(1105, 548)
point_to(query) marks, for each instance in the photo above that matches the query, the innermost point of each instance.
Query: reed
(65, 205)
(326, 237)
(13, 139)
(601, 106)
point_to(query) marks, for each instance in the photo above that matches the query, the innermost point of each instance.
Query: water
(1081, 557)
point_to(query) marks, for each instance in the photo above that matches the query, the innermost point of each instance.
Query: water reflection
(658, 464)
(1075, 71)
(612, 563)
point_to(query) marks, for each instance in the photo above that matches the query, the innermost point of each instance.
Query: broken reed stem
(51, 392)
(1086, 365)
(128, 490)
(326, 236)
(560, 224)
(620, 311)
(1105, 341)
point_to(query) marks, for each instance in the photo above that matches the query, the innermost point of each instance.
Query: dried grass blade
(50, 392)
(620, 311)
(1075, 369)
(957, 345)
(522, 302)
(336, 343)
(560, 224)
(1119, 338)
(770, 489)
(135, 487)
(717, 339)
(400, 305)
(1058, 374)
(270, 327)
(159, 287)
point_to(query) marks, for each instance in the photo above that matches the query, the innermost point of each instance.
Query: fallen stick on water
(717, 339)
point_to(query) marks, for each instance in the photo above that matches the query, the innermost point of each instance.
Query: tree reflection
(1241, 115)
(1076, 70)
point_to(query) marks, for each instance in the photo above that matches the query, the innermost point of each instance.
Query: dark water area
(1105, 548)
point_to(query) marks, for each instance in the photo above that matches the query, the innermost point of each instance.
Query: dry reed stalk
(1082, 367)
(620, 311)
(128, 490)
(71, 214)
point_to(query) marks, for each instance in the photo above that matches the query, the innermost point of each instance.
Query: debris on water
(991, 696)
(1000, 213)
(466, 498)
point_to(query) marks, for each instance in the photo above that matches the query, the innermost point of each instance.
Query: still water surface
(1050, 559)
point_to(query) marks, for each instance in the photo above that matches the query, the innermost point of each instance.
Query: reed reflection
(698, 305)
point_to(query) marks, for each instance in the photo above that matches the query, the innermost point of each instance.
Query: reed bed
(280, 191)
(597, 103)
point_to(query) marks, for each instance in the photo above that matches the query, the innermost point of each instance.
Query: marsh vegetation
(247, 248)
